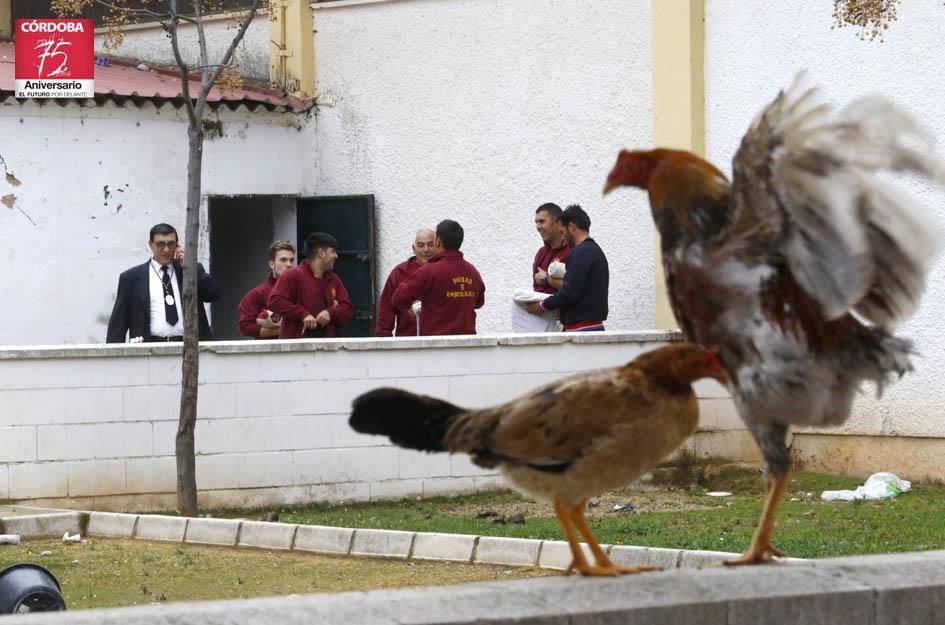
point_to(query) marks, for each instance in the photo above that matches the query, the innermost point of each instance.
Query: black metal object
(29, 588)
(350, 219)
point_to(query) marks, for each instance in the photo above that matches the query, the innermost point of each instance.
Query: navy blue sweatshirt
(584, 294)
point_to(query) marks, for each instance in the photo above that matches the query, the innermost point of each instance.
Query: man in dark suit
(148, 305)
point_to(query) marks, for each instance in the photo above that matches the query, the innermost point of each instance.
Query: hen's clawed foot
(765, 554)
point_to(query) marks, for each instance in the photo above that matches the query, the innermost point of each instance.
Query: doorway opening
(241, 230)
(243, 227)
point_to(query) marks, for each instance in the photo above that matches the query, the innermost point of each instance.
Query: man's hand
(269, 321)
(310, 322)
(179, 254)
(268, 333)
(535, 309)
(540, 277)
(323, 318)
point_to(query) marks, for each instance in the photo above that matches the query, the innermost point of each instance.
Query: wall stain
(9, 200)
(11, 179)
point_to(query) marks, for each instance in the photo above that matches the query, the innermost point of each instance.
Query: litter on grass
(719, 493)
(877, 486)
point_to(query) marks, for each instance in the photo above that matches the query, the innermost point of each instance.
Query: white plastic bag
(877, 486)
(524, 321)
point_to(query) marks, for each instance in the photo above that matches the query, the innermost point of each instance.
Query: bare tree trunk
(190, 367)
(194, 105)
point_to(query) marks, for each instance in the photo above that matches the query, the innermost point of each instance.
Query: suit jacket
(132, 311)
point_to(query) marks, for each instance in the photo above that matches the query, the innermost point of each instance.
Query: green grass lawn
(681, 517)
(115, 573)
(107, 573)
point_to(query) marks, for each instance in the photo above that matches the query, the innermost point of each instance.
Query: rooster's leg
(603, 562)
(761, 551)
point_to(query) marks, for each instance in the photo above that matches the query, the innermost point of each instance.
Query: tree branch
(133, 11)
(204, 61)
(228, 55)
(210, 72)
(184, 71)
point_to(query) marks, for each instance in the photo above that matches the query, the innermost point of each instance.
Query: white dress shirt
(159, 324)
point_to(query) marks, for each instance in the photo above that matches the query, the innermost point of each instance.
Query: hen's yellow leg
(761, 550)
(603, 562)
(578, 561)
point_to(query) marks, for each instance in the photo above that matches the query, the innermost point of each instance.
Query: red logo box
(55, 58)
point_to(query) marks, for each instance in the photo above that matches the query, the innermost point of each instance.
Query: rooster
(798, 271)
(566, 441)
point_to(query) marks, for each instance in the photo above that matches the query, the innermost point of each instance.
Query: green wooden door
(350, 219)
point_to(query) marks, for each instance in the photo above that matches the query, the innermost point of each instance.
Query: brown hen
(564, 442)
(797, 272)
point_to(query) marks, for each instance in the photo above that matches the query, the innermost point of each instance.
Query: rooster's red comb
(713, 358)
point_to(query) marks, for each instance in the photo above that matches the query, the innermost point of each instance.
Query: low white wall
(97, 424)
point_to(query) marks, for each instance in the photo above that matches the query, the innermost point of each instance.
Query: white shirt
(159, 324)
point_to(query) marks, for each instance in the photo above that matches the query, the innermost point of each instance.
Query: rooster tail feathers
(409, 420)
(827, 169)
(887, 358)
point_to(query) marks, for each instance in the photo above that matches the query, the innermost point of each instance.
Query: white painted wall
(64, 243)
(98, 423)
(754, 49)
(149, 44)
(480, 111)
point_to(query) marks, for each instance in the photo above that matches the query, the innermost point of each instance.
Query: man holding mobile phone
(148, 304)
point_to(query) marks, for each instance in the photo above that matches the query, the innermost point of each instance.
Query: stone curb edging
(549, 554)
(899, 589)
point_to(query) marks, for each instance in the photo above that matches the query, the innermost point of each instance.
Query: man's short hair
(574, 214)
(451, 233)
(162, 229)
(279, 246)
(553, 210)
(319, 241)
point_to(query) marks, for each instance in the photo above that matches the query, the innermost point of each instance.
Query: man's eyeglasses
(165, 245)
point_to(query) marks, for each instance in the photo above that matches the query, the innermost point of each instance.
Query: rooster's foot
(761, 555)
(612, 570)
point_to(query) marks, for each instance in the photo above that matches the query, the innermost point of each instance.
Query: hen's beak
(609, 186)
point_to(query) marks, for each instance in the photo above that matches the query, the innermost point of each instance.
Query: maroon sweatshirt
(253, 307)
(544, 257)
(449, 289)
(298, 293)
(387, 313)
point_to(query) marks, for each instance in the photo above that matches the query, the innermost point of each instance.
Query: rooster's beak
(609, 186)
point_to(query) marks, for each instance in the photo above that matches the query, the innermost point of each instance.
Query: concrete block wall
(95, 425)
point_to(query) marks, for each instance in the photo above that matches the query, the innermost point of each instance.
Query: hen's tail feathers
(411, 421)
(829, 168)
